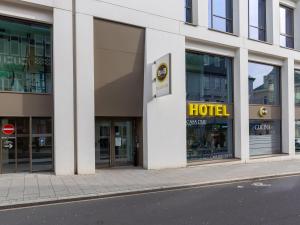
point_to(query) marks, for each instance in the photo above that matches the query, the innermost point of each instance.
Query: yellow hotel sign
(207, 110)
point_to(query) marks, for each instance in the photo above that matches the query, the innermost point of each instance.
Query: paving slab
(18, 190)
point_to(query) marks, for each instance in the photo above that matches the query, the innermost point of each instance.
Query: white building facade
(77, 89)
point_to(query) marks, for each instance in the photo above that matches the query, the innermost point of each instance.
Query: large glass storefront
(265, 109)
(297, 110)
(25, 57)
(29, 145)
(209, 105)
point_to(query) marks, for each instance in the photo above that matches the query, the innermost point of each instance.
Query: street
(264, 202)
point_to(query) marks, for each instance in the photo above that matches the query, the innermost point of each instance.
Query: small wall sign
(8, 129)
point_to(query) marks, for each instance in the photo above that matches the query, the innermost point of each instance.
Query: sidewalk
(23, 189)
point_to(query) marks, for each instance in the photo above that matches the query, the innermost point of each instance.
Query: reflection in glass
(209, 139)
(297, 135)
(297, 87)
(103, 138)
(264, 84)
(286, 27)
(42, 154)
(209, 78)
(25, 57)
(188, 11)
(220, 15)
(257, 19)
(123, 142)
(265, 137)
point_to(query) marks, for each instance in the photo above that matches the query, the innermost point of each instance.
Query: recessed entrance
(114, 142)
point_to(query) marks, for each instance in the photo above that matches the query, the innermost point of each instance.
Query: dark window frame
(292, 36)
(189, 11)
(279, 79)
(227, 20)
(40, 24)
(264, 29)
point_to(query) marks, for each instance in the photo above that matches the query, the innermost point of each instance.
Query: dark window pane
(209, 139)
(264, 84)
(25, 57)
(257, 34)
(209, 78)
(42, 149)
(257, 19)
(286, 27)
(297, 135)
(220, 15)
(188, 11)
(286, 41)
(265, 137)
(297, 87)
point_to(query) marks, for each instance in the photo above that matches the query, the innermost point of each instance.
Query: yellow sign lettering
(207, 110)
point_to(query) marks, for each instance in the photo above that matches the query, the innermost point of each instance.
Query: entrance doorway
(114, 142)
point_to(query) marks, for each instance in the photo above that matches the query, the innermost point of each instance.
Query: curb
(65, 200)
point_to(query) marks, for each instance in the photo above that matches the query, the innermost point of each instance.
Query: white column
(275, 22)
(241, 105)
(202, 12)
(297, 24)
(240, 18)
(164, 121)
(63, 92)
(288, 107)
(85, 112)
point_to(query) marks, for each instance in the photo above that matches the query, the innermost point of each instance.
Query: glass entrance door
(123, 149)
(15, 154)
(114, 143)
(8, 155)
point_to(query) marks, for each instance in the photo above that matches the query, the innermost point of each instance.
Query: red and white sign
(8, 129)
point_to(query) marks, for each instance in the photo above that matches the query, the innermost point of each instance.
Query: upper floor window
(189, 11)
(257, 19)
(220, 15)
(286, 27)
(25, 57)
(297, 87)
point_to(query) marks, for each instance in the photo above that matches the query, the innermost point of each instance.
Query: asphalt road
(268, 202)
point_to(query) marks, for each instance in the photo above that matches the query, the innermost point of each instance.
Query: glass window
(265, 136)
(209, 138)
(42, 153)
(264, 84)
(286, 27)
(25, 57)
(220, 15)
(188, 11)
(209, 78)
(297, 136)
(257, 19)
(297, 87)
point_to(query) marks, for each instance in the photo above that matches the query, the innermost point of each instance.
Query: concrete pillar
(288, 107)
(63, 92)
(240, 9)
(241, 105)
(164, 121)
(202, 12)
(275, 22)
(85, 112)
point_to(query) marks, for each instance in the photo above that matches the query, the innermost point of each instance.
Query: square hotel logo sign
(161, 76)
